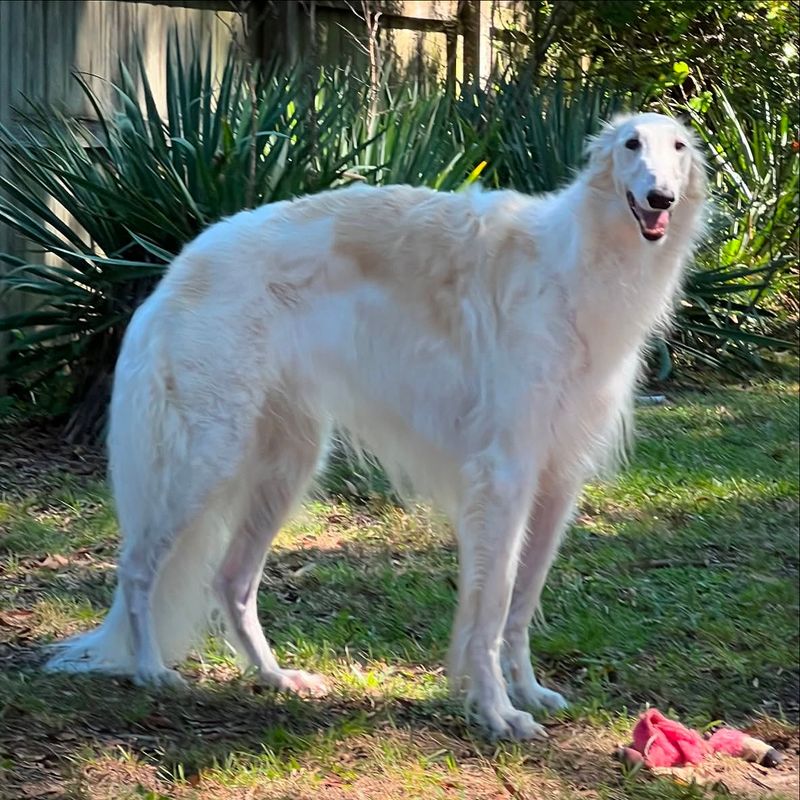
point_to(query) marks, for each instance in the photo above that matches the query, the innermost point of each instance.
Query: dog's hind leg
(139, 571)
(166, 554)
(288, 452)
(490, 532)
(552, 509)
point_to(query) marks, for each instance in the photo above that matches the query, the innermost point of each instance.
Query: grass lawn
(677, 587)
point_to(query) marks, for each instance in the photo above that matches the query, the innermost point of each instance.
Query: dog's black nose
(660, 199)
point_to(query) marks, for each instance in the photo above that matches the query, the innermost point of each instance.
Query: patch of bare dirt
(34, 456)
(586, 755)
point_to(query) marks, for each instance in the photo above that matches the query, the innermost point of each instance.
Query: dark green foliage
(740, 44)
(144, 181)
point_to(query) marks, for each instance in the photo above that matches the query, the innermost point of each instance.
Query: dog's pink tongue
(655, 222)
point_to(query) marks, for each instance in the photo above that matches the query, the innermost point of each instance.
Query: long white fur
(484, 345)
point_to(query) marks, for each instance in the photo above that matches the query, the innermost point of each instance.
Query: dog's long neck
(626, 285)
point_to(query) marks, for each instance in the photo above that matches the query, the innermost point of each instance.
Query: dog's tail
(183, 609)
(152, 475)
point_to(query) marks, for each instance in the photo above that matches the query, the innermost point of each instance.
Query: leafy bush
(739, 45)
(146, 184)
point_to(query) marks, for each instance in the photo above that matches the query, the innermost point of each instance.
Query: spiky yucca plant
(541, 131)
(142, 183)
(752, 241)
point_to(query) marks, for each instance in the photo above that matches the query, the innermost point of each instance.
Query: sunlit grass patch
(676, 587)
(53, 617)
(62, 520)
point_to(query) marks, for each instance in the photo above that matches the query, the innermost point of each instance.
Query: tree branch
(559, 14)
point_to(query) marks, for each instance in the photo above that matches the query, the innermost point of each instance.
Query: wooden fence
(42, 42)
(457, 39)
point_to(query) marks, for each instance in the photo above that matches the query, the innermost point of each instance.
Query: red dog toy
(662, 742)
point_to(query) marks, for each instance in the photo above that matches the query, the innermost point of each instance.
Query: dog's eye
(680, 145)
(633, 144)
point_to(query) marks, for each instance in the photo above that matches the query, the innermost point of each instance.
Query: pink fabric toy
(662, 742)
(665, 743)
(736, 743)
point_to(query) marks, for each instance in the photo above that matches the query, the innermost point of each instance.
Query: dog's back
(329, 298)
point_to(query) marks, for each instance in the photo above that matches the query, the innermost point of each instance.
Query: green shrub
(144, 183)
(147, 184)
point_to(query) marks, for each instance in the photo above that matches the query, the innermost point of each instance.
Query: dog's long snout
(659, 199)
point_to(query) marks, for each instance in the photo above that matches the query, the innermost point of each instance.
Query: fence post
(471, 31)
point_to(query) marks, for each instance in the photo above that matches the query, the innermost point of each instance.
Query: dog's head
(653, 164)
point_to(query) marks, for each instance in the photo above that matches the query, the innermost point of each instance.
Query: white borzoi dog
(483, 344)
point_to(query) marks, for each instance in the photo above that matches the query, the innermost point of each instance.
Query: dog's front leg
(555, 500)
(490, 531)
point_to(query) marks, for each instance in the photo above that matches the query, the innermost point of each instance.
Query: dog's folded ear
(600, 144)
(603, 140)
(599, 149)
(697, 187)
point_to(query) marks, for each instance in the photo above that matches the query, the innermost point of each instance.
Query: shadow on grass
(233, 728)
(632, 621)
(201, 727)
(669, 593)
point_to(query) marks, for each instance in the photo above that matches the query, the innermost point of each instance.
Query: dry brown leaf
(54, 562)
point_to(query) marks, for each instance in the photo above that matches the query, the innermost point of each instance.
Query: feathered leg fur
(287, 450)
(490, 532)
(548, 520)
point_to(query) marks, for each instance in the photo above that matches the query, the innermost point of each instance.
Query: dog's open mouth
(653, 224)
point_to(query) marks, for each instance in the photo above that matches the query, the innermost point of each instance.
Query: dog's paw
(299, 682)
(550, 700)
(162, 678)
(510, 724)
(537, 698)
